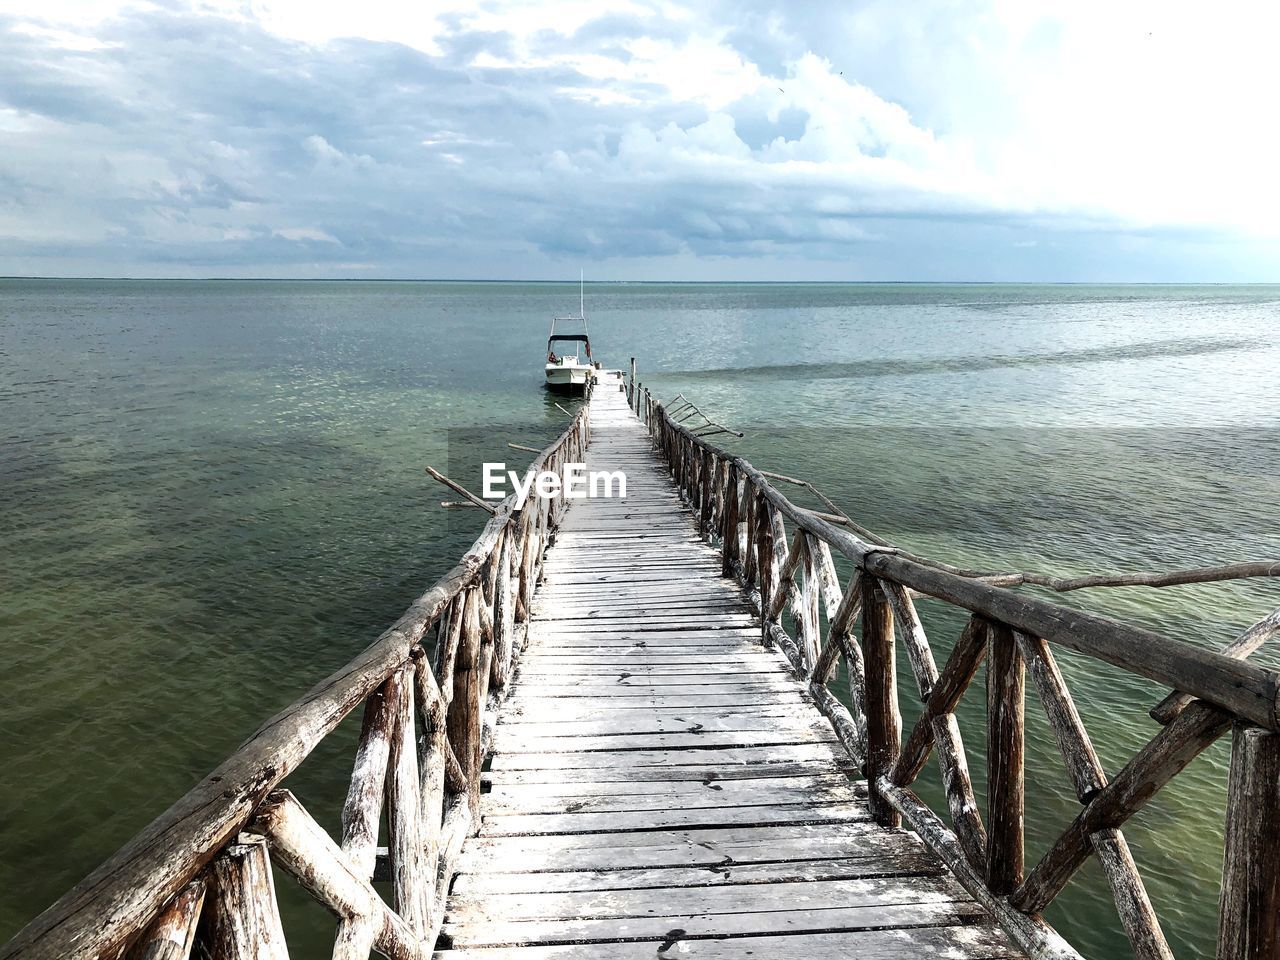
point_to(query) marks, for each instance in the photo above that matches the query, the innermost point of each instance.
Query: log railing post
(749, 559)
(707, 478)
(1005, 788)
(362, 812)
(466, 710)
(242, 920)
(412, 885)
(435, 759)
(300, 846)
(806, 612)
(884, 723)
(503, 615)
(729, 546)
(172, 934)
(764, 560)
(1249, 914)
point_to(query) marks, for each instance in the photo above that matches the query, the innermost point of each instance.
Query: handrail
(479, 606)
(1245, 689)
(792, 570)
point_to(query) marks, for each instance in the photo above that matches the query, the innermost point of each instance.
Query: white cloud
(517, 131)
(305, 234)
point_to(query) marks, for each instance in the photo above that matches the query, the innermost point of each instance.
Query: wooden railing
(201, 869)
(782, 554)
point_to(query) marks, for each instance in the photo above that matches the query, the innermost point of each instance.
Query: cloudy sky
(641, 139)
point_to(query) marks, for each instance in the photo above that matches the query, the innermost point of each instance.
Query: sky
(937, 140)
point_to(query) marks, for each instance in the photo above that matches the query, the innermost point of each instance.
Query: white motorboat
(569, 364)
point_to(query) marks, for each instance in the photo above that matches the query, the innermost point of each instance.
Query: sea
(212, 494)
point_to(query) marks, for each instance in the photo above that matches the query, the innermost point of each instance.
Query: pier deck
(662, 785)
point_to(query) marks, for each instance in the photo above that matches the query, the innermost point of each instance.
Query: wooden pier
(661, 784)
(611, 731)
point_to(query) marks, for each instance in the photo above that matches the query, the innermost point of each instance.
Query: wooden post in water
(1249, 915)
(884, 723)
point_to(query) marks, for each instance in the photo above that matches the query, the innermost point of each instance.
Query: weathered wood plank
(958, 942)
(808, 811)
(700, 739)
(603, 720)
(905, 859)
(869, 916)
(674, 700)
(500, 792)
(701, 846)
(725, 793)
(734, 756)
(690, 771)
(722, 899)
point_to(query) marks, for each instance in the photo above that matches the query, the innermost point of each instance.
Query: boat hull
(567, 379)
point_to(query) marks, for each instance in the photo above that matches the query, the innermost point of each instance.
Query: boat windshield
(568, 339)
(559, 347)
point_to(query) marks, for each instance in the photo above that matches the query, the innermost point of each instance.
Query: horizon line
(1064, 283)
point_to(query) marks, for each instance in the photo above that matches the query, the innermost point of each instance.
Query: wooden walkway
(660, 784)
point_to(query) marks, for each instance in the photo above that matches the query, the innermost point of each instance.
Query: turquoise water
(214, 496)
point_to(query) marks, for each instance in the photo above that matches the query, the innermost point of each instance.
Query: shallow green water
(213, 496)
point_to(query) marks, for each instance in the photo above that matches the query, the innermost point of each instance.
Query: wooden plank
(616, 851)
(728, 793)
(680, 575)
(632, 624)
(554, 640)
(612, 719)
(957, 942)
(596, 609)
(639, 676)
(907, 859)
(722, 899)
(559, 642)
(758, 664)
(663, 741)
(676, 700)
(747, 756)
(637, 685)
(639, 656)
(692, 771)
(707, 584)
(502, 793)
(693, 599)
(602, 720)
(868, 916)
(808, 811)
